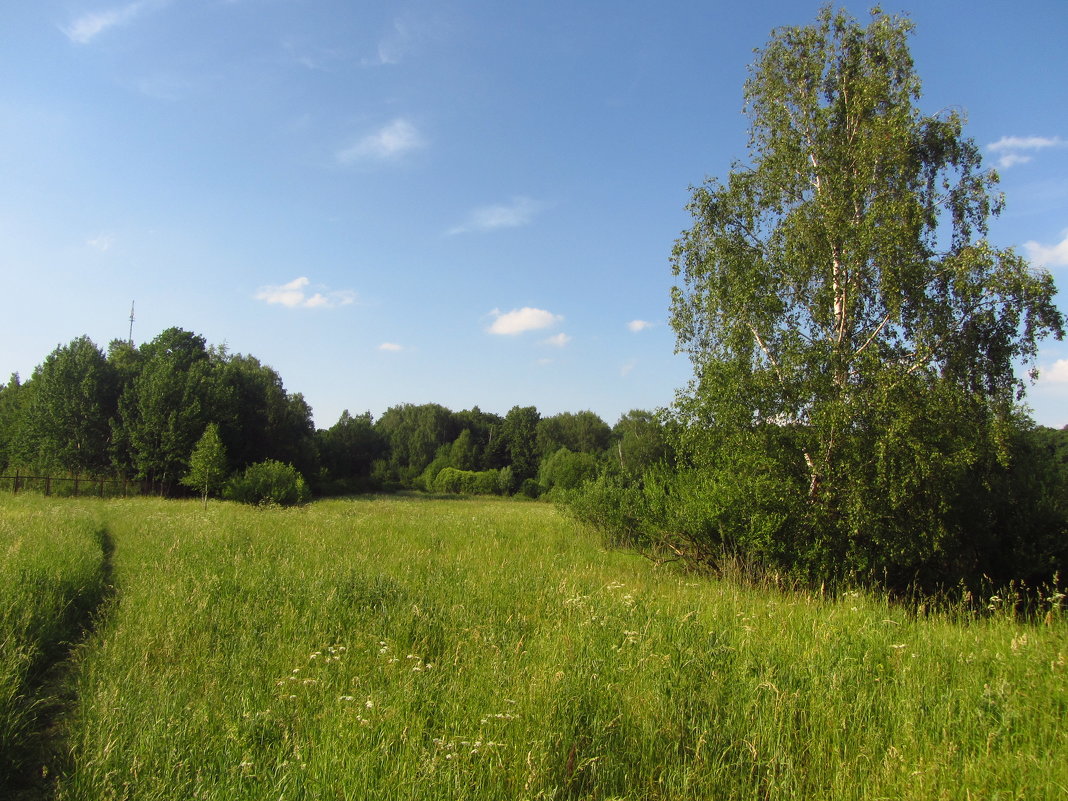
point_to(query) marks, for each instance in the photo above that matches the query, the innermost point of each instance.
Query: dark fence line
(79, 485)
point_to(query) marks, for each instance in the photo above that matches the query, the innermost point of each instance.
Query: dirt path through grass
(45, 753)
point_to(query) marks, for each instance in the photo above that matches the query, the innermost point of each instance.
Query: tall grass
(51, 576)
(407, 649)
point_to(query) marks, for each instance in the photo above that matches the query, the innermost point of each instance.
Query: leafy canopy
(844, 313)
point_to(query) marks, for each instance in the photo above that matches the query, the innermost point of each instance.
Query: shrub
(529, 488)
(449, 480)
(268, 482)
(568, 470)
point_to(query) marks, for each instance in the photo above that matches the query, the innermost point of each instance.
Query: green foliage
(530, 488)
(506, 481)
(449, 480)
(268, 482)
(258, 419)
(519, 432)
(166, 407)
(207, 463)
(463, 453)
(13, 399)
(348, 450)
(66, 424)
(415, 435)
(582, 432)
(853, 336)
(641, 442)
(567, 470)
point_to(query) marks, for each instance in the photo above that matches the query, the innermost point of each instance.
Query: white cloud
(519, 320)
(391, 346)
(1012, 159)
(557, 340)
(88, 26)
(639, 325)
(292, 295)
(1010, 146)
(1048, 255)
(389, 142)
(1057, 373)
(520, 211)
(103, 242)
(624, 371)
(393, 46)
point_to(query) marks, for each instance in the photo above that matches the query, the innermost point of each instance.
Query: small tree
(207, 463)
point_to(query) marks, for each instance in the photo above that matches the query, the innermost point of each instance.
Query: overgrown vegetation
(52, 574)
(404, 648)
(852, 418)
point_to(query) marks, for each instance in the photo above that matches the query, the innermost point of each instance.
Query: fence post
(15, 491)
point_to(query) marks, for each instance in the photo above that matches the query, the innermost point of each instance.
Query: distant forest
(138, 413)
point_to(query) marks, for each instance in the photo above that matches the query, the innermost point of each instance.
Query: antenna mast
(131, 322)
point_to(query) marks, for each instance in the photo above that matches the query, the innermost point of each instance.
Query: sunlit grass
(425, 649)
(51, 576)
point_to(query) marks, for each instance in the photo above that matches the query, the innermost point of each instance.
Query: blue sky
(463, 202)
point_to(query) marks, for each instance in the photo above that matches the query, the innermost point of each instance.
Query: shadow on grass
(50, 688)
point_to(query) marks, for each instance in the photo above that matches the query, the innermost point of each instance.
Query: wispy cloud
(1048, 255)
(389, 142)
(1056, 373)
(557, 340)
(90, 25)
(625, 370)
(519, 321)
(1012, 150)
(313, 57)
(394, 45)
(639, 325)
(392, 347)
(294, 295)
(518, 212)
(102, 242)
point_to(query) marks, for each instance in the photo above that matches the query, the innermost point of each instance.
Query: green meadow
(414, 648)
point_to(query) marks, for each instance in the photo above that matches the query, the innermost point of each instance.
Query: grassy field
(53, 571)
(404, 648)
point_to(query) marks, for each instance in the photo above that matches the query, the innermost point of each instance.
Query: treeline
(139, 413)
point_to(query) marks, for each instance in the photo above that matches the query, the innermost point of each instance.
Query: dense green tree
(567, 470)
(415, 434)
(207, 463)
(66, 425)
(580, 432)
(126, 362)
(13, 398)
(641, 442)
(258, 418)
(519, 431)
(349, 448)
(481, 425)
(167, 406)
(463, 453)
(851, 330)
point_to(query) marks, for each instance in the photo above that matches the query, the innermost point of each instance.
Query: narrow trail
(46, 754)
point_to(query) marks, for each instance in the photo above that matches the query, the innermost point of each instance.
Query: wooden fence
(79, 485)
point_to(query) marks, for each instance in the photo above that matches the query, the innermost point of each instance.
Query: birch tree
(839, 285)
